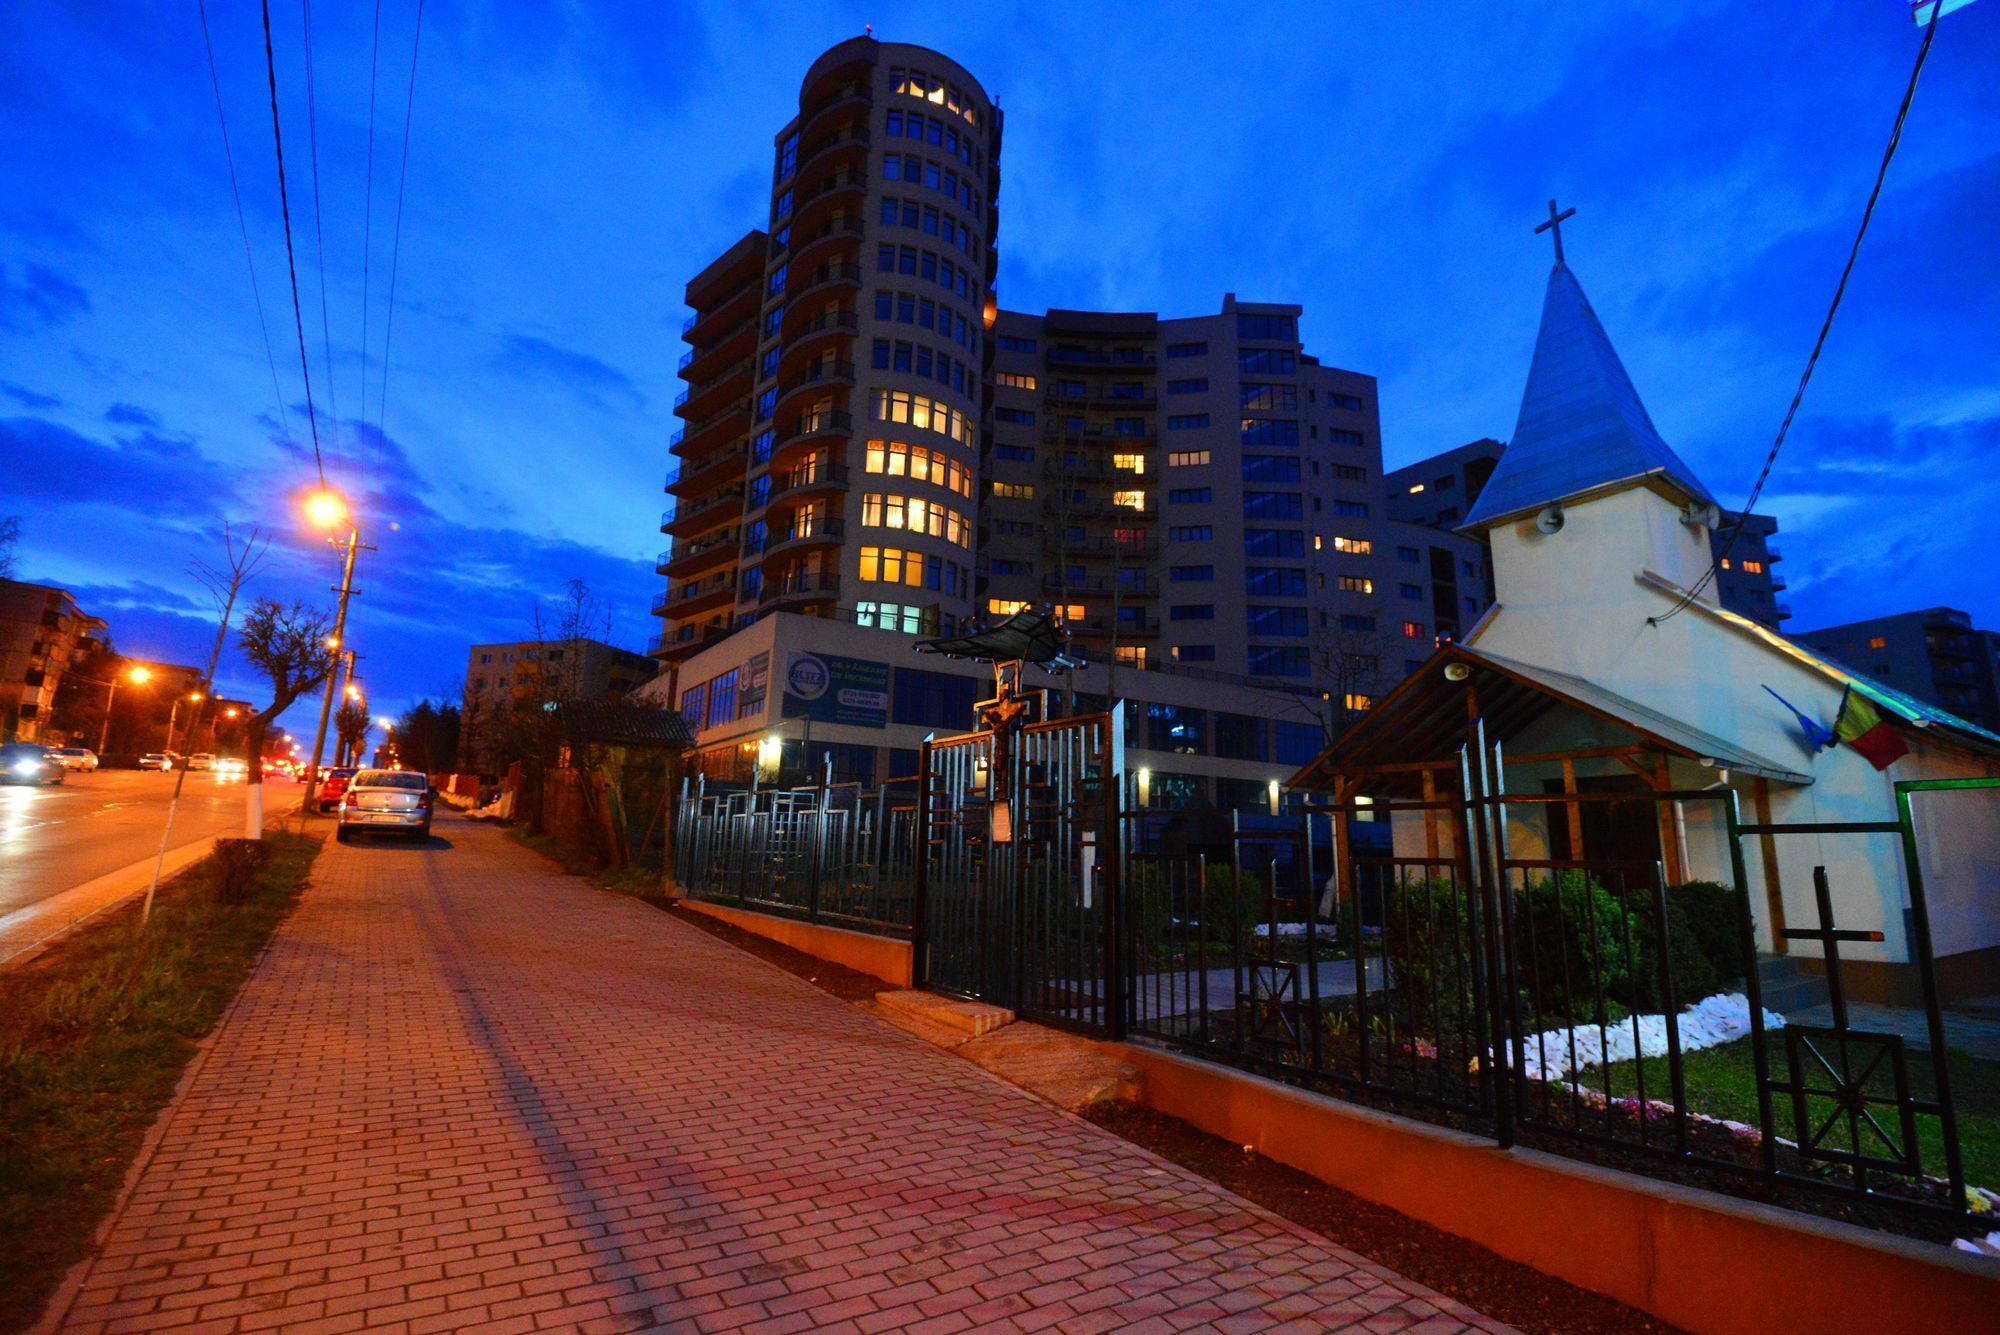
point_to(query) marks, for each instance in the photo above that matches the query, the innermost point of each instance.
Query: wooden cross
(1829, 938)
(1554, 224)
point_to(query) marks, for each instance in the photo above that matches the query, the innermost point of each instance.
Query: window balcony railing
(820, 373)
(803, 586)
(812, 424)
(823, 476)
(857, 93)
(820, 530)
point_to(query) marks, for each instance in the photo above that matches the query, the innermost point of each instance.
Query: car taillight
(424, 802)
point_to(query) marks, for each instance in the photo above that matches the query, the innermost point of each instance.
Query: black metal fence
(835, 853)
(1475, 968)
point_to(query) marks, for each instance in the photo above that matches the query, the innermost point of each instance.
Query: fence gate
(1017, 869)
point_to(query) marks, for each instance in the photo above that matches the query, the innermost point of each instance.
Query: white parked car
(201, 760)
(158, 760)
(76, 758)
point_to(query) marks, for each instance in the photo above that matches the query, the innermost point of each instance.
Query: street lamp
(174, 714)
(138, 676)
(325, 509)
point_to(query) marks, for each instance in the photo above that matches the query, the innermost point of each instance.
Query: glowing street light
(325, 509)
(138, 675)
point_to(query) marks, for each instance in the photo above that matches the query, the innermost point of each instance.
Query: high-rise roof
(1582, 427)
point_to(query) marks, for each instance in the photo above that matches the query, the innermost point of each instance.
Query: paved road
(462, 1091)
(56, 837)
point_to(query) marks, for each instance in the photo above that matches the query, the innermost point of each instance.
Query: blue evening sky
(570, 166)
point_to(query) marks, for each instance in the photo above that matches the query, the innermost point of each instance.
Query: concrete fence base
(877, 956)
(1700, 1260)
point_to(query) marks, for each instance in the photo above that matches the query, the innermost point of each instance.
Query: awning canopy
(1030, 635)
(1425, 719)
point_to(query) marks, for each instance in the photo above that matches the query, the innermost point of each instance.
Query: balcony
(818, 374)
(818, 531)
(806, 335)
(1093, 357)
(700, 321)
(827, 422)
(1126, 628)
(698, 475)
(693, 516)
(840, 273)
(1057, 507)
(686, 559)
(836, 229)
(693, 599)
(1101, 547)
(853, 95)
(735, 337)
(697, 438)
(1093, 469)
(800, 588)
(1056, 586)
(697, 400)
(1098, 431)
(689, 639)
(825, 477)
(843, 140)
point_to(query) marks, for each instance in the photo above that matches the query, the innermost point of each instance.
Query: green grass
(1722, 1082)
(93, 1038)
(637, 880)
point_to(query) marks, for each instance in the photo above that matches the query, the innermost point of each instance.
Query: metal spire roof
(1582, 426)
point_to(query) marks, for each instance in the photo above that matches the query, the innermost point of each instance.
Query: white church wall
(1958, 847)
(1575, 601)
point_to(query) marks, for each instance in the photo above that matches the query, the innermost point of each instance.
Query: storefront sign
(833, 689)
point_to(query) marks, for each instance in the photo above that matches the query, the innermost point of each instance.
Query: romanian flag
(1861, 727)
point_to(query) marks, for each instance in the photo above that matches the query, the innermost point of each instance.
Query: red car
(332, 787)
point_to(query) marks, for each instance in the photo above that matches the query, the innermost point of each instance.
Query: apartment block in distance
(41, 631)
(501, 677)
(1935, 654)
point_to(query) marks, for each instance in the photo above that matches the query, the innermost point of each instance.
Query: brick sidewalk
(463, 1091)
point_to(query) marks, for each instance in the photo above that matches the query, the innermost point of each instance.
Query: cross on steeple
(1554, 224)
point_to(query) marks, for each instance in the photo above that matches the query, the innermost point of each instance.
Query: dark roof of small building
(614, 723)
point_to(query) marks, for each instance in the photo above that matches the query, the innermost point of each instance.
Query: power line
(1826, 327)
(291, 258)
(368, 214)
(243, 226)
(319, 235)
(396, 249)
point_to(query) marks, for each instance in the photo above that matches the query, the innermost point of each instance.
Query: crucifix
(1554, 224)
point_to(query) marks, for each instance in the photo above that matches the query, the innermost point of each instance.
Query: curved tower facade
(829, 460)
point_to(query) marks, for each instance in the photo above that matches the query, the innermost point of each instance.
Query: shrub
(1704, 946)
(1427, 941)
(1230, 913)
(237, 865)
(1570, 943)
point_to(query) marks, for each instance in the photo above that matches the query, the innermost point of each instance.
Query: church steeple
(1582, 428)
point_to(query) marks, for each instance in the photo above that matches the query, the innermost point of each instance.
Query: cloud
(95, 598)
(29, 398)
(129, 414)
(149, 474)
(43, 299)
(589, 378)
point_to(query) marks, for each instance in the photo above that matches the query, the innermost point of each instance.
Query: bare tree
(10, 537)
(1347, 667)
(350, 724)
(224, 583)
(288, 645)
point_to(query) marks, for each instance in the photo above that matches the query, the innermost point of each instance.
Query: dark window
(933, 699)
(1297, 743)
(1242, 737)
(1267, 328)
(1278, 435)
(1187, 349)
(1274, 581)
(1273, 542)
(1273, 505)
(1270, 468)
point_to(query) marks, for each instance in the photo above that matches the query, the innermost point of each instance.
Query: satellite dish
(1550, 520)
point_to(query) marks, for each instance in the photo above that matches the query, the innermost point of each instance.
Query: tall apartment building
(41, 631)
(1190, 491)
(1935, 654)
(837, 364)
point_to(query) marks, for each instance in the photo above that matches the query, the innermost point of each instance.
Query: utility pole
(345, 589)
(346, 693)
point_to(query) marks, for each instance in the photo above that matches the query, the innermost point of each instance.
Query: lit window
(1753, 567)
(1131, 463)
(1879, 642)
(1132, 655)
(1019, 491)
(1357, 584)
(1187, 458)
(1130, 500)
(1357, 702)
(1355, 546)
(1413, 630)
(1011, 380)
(1416, 487)
(1004, 607)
